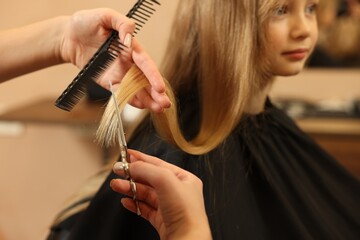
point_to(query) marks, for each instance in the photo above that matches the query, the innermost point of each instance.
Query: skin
(74, 39)
(169, 197)
(292, 34)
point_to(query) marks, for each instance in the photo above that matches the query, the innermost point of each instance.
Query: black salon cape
(268, 180)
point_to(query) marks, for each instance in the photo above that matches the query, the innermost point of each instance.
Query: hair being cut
(215, 46)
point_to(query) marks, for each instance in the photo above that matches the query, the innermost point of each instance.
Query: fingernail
(112, 182)
(168, 105)
(132, 158)
(128, 39)
(118, 166)
(157, 109)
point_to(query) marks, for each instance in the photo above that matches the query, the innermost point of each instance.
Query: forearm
(30, 48)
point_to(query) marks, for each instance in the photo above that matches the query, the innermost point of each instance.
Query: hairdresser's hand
(170, 198)
(87, 30)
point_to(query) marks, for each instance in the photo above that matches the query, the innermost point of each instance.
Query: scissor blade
(121, 133)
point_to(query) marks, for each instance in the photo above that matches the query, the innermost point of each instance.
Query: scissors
(123, 151)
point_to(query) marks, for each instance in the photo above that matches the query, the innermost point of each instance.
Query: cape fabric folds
(268, 180)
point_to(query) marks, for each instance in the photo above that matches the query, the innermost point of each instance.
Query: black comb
(104, 56)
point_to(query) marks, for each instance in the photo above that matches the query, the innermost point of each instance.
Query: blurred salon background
(46, 154)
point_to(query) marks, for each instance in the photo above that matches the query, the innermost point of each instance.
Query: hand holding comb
(104, 57)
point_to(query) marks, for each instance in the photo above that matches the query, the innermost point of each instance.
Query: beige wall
(320, 84)
(41, 166)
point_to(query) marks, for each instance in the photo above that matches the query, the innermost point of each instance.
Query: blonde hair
(215, 47)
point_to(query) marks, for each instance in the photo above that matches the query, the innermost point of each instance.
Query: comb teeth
(104, 57)
(101, 60)
(141, 12)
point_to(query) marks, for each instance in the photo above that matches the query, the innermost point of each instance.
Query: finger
(148, 67)
(180, 173)
(120, 23)
(147, 212)
(162, 180)
(143, 100)
(148, 102)
(139, 171)
(118, 169)
(139, 156)
(143, 193)
(160, 98)
(135, 102)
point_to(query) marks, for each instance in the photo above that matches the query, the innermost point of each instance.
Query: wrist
(48, 40)
(192, 231)
(59, 38)
(31, 47)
